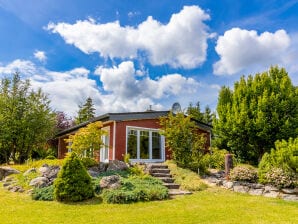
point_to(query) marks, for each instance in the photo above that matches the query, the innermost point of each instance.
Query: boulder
(49, 172)
(15, 189)
(27, 172)
(241, 189)
(290, 190)
(289, 197)
(271, 194)
(110, 182)
(117, 165)
(228, 184)
(39, 182)
(256, 191)
(6, 171)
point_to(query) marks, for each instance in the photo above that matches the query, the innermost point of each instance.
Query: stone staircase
(162, 172)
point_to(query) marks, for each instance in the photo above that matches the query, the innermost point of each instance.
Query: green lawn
(213, 205)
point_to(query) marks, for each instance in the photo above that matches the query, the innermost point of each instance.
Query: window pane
(144, 144)
(156, 146)
(107, 143)
(132, 144)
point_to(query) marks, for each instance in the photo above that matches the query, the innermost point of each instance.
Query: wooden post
(228, 164)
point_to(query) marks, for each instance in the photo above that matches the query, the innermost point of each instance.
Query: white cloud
(40, 55)
(182, 42)
(240, 49)
(122, 88)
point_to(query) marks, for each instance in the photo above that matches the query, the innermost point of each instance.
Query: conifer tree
(86, 111)
(258, 111)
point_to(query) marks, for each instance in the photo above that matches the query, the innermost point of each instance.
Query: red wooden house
(136, 133)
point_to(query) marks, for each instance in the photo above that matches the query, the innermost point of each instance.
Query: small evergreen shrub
(43, 194)
(73, 182)
(89, 162)
(283, 157)
(136, 189)
(244, 173)
(280, 178)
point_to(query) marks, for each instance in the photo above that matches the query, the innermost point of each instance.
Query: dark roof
(127, 116)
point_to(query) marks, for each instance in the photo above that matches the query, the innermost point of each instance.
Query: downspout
(114, 140)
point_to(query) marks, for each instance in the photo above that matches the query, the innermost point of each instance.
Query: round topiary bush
(73, 182)
(244, 173)
(281, 178)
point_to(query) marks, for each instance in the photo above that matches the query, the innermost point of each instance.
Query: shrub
(215, 160)
(88, 162)
(50, 157)
(136, 189)
(73, 182)
(43, 194)
(244, 173)
(282, 157)
(281, 178)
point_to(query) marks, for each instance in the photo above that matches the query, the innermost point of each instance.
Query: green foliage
(86, 111)
(26, 119)
(185, 142)
(260, 110)
(283, 156)
(244, 173)
(24, 180)
(50, 157)
(195, 113)
(281, 178)
(89, 162)
(215, 159)
(187, 179)
(136, 189)
(43, 194)
(126, 158)
(86, 140)
(73, 182)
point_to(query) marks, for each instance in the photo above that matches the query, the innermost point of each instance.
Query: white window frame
(104, 147)
(162, 144)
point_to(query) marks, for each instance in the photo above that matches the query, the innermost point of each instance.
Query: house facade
(133, 133)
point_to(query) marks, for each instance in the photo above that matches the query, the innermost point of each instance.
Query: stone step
(166, 179)
(158, 166)
(161, 175)
(160, 171)
(171, 185)
(177, 192)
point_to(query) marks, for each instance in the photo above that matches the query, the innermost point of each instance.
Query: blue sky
(129, 54)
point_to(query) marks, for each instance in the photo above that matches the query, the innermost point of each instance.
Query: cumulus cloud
(122, 88)
(239, 49)
(182, 42)
(40, 55)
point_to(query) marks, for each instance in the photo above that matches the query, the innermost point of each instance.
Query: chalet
(136, 133)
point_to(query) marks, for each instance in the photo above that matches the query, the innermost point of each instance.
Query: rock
(219, 182)
(49, 172)
(93, 173)
(271, 194)
(240, 188)
(289, 197)
(27, 172)
(44, 169)
(228, 184)
(15, 189)
(39, 182)
(102, 167)
(290, 190)
(257, 186)
(110, 182)
(117, 165)
(269, 188)
(8, 179)
(256, 191)
(7, 184)
(6, 171)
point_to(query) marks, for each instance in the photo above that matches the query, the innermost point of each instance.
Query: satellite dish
(176, 108)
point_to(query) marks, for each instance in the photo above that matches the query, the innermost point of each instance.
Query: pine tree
(86, 111)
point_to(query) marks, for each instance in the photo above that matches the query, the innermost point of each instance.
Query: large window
(145, 144)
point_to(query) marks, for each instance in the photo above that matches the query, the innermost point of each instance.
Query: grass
(187, 179)
(213, 205)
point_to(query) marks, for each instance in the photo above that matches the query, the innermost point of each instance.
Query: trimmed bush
(244, 173)
(136, 189)
(73, 182)
(43, 194)
(88, 162)
(280, 178)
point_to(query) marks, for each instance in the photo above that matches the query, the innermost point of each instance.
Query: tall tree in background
(195, 111)
(86, 111)
(259, 111)
(63, 121)
(26, 119)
